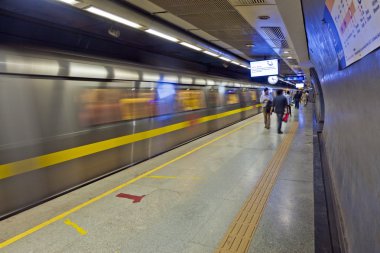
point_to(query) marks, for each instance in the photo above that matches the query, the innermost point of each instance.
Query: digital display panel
(294, 78)
(264, 68)
(300, 85)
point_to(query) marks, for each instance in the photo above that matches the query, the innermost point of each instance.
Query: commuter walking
(304, 98)
(289, 98)
(297, 98)
(266, 100)
(280, 105)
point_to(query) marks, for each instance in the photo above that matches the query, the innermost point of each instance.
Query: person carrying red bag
(286, 117)
(280, 105)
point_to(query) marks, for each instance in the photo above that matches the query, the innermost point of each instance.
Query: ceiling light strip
(113, 17)
(224, 59)
(162, 35)
(72, 2)
(190, 46)
(210, 53)
(129, 23)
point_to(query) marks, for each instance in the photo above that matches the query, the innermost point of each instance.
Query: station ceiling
(252, 29)
(229, 28)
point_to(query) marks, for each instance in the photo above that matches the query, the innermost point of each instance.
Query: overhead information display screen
(264, 68)
(355, 28)
(294, 78)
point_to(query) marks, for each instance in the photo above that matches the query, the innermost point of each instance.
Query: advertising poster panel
(355, 27)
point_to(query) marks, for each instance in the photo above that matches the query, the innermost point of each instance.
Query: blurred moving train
(67, 120)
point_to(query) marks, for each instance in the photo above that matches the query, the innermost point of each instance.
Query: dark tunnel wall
(351, 132)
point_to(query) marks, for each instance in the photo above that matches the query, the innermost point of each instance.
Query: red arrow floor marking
(135, 198)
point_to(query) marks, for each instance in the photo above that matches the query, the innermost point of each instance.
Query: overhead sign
(264, 68)
(272, 79)
(294, 78)
(300, 85)
(355, 28)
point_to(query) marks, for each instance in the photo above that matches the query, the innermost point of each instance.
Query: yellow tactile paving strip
(242, 229)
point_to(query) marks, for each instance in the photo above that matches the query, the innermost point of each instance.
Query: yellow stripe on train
(43, 161)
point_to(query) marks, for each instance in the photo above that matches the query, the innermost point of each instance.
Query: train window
(107, 105)
(215, 97)
(246, 95)
(253, 95)
(166, 99)
(188, 100)
(137, 104)
(100, 106)
(232, 97)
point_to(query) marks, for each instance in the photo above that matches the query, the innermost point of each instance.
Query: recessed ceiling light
(289, 57)
(264, 17)
(249, 45)
(286, 52)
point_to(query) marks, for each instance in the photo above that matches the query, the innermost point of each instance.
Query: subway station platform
(241, 189)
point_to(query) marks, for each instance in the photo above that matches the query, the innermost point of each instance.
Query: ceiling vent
(292, 61)
(275, 35)
(249, 2)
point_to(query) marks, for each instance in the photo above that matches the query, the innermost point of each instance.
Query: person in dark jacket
(297, 98)
(280, 105)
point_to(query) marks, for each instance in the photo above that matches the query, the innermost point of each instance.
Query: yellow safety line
(78, 207)
(80, 230)
(173, 177)
(162, 177)
(241, 231)
(44, 161)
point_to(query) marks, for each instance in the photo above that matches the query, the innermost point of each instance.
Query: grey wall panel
(351, 132)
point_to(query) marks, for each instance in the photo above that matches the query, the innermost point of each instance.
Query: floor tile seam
(246, 148)
(298, 197)
(202, 244)
(163, 189)
(233, 199)
(301, 163)
(302, 150)
(304, 179)
(287, 207)
(261, 149)
(296, 180)
(204, 225)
